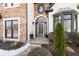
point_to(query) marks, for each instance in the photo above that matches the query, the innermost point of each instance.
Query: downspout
(26, 22)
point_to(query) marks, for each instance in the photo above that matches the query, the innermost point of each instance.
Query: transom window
(67, 17)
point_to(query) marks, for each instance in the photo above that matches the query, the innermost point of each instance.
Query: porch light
(0, 16)
(77, 6)
(33, 23)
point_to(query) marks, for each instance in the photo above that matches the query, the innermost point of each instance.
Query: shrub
(39, 51)
(50, 36)
(75, 38)
(59, 40)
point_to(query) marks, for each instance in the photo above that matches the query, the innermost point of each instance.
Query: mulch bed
(50, 47)
(10, 45)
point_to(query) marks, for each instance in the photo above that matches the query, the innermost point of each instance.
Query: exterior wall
(14, 12)
(1, 23)
(30, 8)
(32, 15)
(56, 8)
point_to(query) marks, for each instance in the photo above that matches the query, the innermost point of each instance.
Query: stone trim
(8, 39)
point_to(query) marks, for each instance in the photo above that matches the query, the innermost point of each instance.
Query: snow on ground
(70, 49)
(13, 52)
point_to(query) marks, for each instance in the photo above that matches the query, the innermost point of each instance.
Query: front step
(39, 41)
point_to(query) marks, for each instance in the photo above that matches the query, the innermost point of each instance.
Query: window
(75, 23)
(11, 29)
(40, 8)
(68, 18)
(67, 23)
(57, 20)
(11, 4)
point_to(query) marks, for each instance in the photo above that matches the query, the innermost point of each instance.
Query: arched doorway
(41, 27)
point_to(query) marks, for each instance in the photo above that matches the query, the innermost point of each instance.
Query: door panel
(41, 29)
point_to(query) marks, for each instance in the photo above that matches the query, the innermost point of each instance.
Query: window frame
(10, 29)
(10, 39)
(62, 20)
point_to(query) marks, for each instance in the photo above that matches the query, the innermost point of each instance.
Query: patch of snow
(70, 49)
(13, 52)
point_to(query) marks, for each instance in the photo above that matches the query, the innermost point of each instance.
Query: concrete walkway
(39, 40)
(36, 42)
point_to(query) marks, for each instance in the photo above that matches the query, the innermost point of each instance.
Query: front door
(41, 27)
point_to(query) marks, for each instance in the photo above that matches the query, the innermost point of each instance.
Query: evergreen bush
(59, 40)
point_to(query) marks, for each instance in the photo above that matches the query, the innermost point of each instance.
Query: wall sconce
(33, 23)
(0, 16)
(77, 6)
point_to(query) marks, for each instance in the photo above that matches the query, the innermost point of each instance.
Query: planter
(46, 36)
(31, 36)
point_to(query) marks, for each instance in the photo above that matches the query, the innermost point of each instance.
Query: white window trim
(11, 6)
(10, 39)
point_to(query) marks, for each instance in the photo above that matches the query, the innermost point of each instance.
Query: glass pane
(67, 16)
(45, 26)
(8, 29)
(41, 29)
(58, 18)
(6, 5)
(41, 19)
(8, 24)
(75, 23)
(9, 33)
(12, 4)
(67, 25)
(15, 29)
(57, 22)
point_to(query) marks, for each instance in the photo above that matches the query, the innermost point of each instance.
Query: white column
(30, 15)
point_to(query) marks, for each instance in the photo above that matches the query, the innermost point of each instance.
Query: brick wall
(19, 11)
(36, 12)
